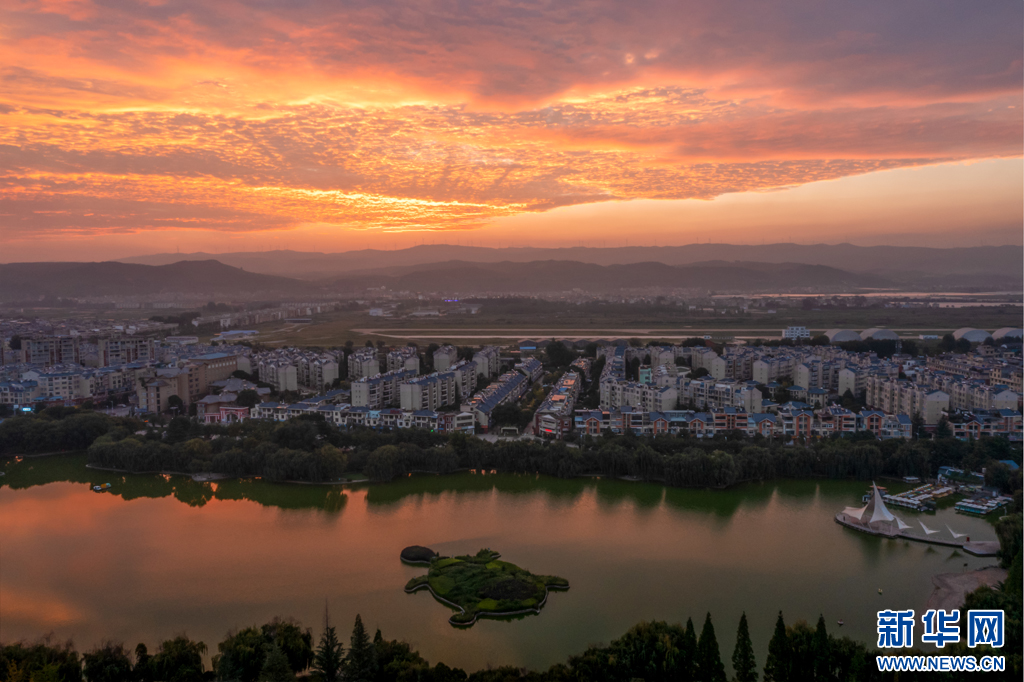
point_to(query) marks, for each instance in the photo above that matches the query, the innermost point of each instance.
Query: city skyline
(135, 128)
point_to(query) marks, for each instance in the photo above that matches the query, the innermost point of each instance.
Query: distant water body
(161, 555)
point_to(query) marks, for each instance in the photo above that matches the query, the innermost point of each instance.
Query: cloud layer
(121, 116)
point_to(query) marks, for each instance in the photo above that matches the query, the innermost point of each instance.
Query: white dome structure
(1008, 333)
(879, 334)
(842, 335)
(971, 334)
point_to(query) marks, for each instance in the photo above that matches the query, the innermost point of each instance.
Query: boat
(879, 590)
(840, 623)
(101, 488)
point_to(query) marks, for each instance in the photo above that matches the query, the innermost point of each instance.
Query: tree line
(310, 449)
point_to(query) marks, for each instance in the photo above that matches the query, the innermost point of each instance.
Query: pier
(980, 548)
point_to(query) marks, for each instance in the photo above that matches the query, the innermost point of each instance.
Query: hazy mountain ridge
(541, 276)
(110, 278)
(885, 261)
(213, 279)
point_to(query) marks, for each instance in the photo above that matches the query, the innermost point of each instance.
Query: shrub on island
(482, 585)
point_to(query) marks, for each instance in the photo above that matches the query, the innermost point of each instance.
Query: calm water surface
(162, 555)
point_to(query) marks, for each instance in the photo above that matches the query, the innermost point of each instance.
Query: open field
(645, 322)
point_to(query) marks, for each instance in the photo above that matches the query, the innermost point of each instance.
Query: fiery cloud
(240, 116)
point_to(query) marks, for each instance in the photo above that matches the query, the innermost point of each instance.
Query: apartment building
(407, 357)
(902, 396)
(363, 363)
(488, 361)
(507, 388)
(51, 350)
(710, 393)
(465, 377)
(765, 370)
(18, 393)
(445, 357)
(122, 350)
(429, 392)
(531, 368)
(644, 397)
(280, 372)
(554, 417)
(381, 390)
(730, 366)
(66, 386)
(316, 371)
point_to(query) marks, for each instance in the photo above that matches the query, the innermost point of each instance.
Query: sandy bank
(951, 588)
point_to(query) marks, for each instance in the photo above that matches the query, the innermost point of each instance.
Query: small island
(481, 585)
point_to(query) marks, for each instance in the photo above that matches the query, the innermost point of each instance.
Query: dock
(980, 548)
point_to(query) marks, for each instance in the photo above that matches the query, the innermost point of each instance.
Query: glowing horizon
(131, 127)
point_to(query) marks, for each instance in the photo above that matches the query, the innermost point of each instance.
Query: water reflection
(160, 554)
(39, 471)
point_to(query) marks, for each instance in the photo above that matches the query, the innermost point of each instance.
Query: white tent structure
(874, 513)
(900, 524)
(927, 530)
(954, 533)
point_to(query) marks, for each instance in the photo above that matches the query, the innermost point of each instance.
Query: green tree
(709, 658)
(383, 463)
(275, 666)
(241, 656)
(558, 355)
(361, 661)
(743, 663)
(821, 651)
(248, 398)
(295, 643)
(779, 662)
(108, 663)
(143, 670)
(175, 404)
(1012, 585)
(1009, 530)
(688, 653)
(329, 657)
(179, 660)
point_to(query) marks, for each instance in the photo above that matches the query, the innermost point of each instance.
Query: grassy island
(481, 585)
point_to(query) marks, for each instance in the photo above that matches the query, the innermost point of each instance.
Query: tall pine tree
(361, 661)
(329, 656)
(743, 663)
(821, 652)
(780, 656)
(709, 658)
(276, 667)
(688, 653)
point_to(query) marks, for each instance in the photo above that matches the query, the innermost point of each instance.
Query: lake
(160, 555)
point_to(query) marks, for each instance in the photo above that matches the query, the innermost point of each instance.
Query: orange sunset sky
(143, 126)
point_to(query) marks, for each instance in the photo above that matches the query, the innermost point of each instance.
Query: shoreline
(951, 588)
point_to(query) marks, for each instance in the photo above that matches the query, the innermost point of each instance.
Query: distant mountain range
(412, 270)
(206, 277)
(980, 266)
(464, 277)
